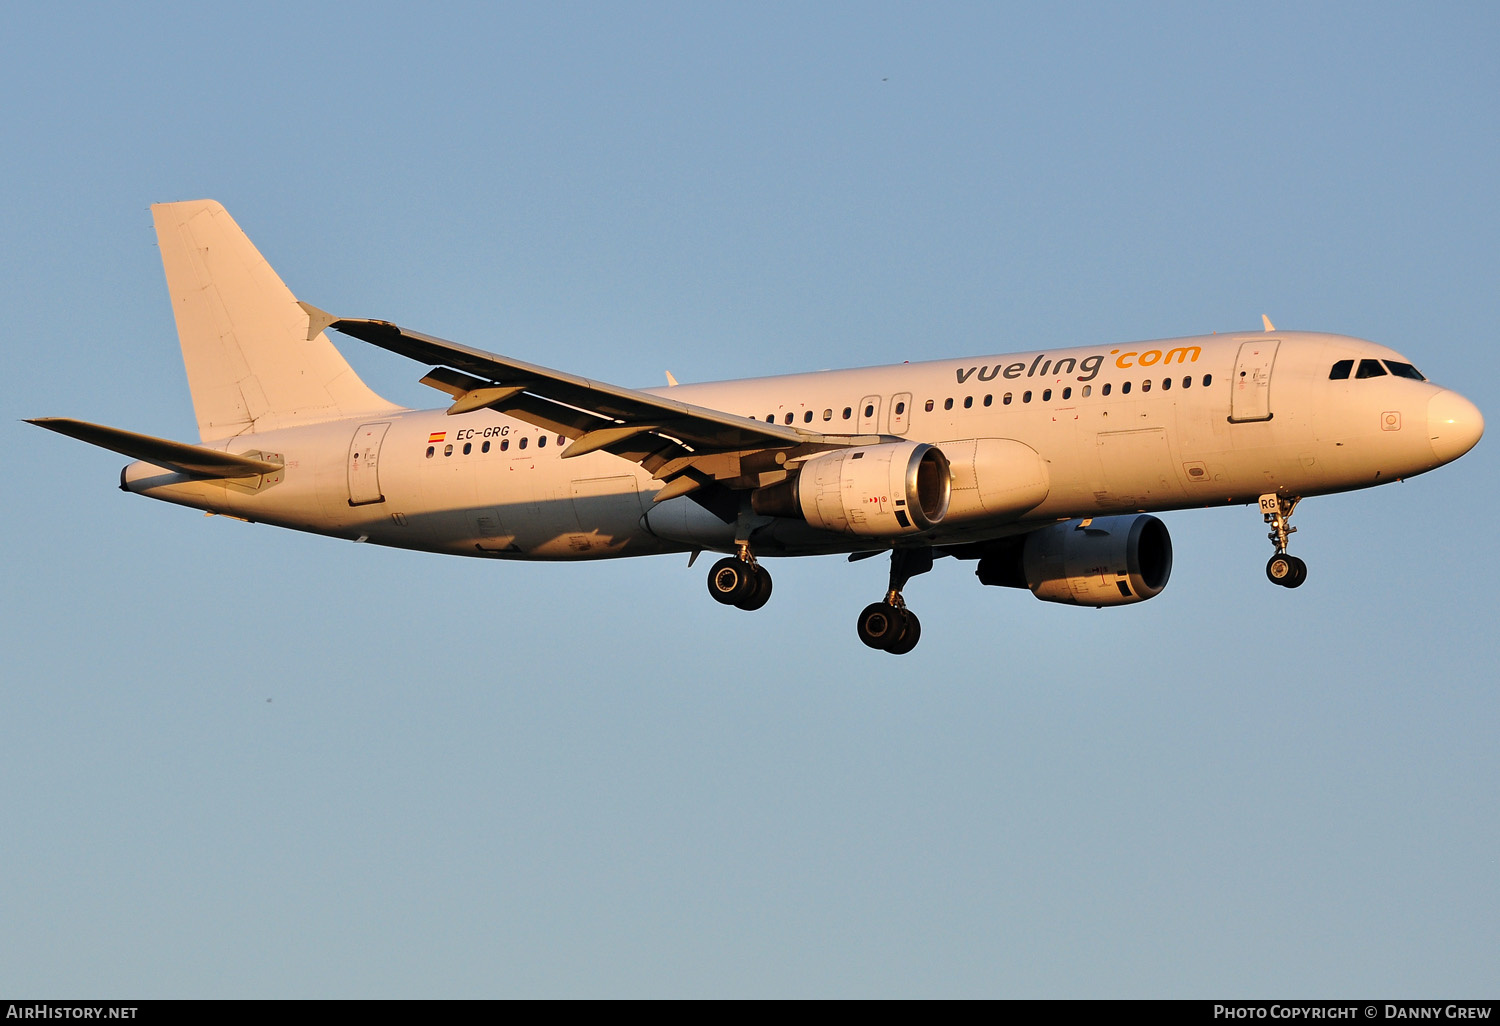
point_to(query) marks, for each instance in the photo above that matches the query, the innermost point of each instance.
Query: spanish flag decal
(436, 436)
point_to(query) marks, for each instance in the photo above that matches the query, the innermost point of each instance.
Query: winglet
(1267, 322)
(671, 381)
(317, 320)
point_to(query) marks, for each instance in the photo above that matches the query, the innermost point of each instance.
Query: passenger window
(849, 412)
(1047, 395)
(788, 418)
(504, 444)
(900, 409)
(947, 404)
(430, 450)
(1006, 399)
(968, 402)
(807, 417)
(522, 443)
(770, 418)
(1208, 379)
(1105, 389)
(869, 411)
(1341, 370)
(1088, 390)
(1068, 393)
(468, 448)
(1146, 385)
(827, 414)
(1125, 388)
(541, 443)
(485, 447)
(1370, 369)
(1025, 397)
(1166, 383)
(447, 450)
(1187, 382)
(988, 400)
(928, 407)
(561, 439)
(1404, 370)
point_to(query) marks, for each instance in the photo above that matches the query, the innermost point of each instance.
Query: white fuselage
(1151, 426)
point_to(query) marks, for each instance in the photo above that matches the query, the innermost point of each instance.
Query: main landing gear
(740, 581)
(1287, 571)
(889, 626)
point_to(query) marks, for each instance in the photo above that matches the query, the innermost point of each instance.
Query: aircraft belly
(606, 514)
(542, 507)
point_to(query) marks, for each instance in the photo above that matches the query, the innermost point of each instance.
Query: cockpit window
(1370, 369)
(1341, 370)
(1404, 370)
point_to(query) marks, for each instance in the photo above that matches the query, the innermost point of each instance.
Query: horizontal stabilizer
(193, 460)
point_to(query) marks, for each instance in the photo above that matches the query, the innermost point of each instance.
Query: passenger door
(364, 464)
(1251, 396)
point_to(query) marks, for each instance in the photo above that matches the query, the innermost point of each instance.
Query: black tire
(1299, 573)
(880, 625)
(760, 593)
(731, 581)
(910, 635)
(1280, 568)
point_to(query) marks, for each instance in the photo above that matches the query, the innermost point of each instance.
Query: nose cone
(1453, 425)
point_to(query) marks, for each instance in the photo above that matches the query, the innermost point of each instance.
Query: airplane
(1043, 468)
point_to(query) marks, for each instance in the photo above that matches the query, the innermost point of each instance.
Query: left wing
(680, 443)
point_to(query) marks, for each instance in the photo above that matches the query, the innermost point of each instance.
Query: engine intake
(875, 491)
(1104, 561)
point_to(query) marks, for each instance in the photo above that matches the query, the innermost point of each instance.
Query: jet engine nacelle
(875, 491)
(1103, 561)
(994, 478)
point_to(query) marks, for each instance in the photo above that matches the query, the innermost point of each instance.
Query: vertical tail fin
(244, 340)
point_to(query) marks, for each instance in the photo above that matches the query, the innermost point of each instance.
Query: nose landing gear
(1287, 571)
(889, 626)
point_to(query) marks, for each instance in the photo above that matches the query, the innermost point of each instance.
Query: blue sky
(236, 761)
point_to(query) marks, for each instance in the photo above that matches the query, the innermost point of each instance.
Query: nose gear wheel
(1287, 571)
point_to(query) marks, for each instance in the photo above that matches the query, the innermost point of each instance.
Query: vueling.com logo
(1086, 369)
